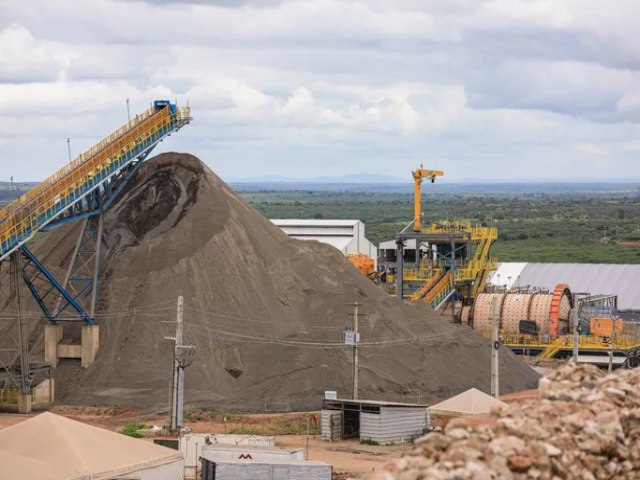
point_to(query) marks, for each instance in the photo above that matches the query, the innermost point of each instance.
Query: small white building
(372, 421)
(348, 236)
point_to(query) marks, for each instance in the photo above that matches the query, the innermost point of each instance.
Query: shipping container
(266, 471)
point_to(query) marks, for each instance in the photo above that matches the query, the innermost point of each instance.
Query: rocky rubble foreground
(585, 425)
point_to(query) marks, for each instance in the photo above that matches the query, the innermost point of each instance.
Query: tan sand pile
(257, 305)
(586, 425)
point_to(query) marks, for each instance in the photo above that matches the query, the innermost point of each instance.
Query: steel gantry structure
(81, 191)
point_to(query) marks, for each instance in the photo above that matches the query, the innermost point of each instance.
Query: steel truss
(15, 372)
(74, 299)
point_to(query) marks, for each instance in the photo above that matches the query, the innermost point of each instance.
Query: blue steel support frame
(42, 283)
(89, 202)
(50, 216)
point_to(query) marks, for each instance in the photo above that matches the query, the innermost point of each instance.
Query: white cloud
(484, 88)
(26, 58)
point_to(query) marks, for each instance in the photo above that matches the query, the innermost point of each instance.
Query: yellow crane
(418, 176)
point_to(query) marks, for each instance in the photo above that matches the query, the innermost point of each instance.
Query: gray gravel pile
(266, 312)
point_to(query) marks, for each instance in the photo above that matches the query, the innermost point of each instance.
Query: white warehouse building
(345, 235)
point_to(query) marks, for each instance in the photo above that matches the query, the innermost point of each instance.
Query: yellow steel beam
(19, 217)
(419, 175)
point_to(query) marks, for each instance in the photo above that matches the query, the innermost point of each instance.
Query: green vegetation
(368, 441)
(583, 223)
(533, 227)
(133, 429)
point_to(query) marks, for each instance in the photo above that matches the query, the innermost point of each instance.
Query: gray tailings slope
(257, 306)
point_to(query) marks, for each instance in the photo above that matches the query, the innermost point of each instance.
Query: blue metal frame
(42, 284)
(140, 150)
(92, 207)
(89, 201)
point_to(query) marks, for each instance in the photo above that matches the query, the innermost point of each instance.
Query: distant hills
(388, 184)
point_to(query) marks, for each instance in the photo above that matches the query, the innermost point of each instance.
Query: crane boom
(419, 175)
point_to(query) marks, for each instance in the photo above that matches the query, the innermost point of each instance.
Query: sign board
(330, 395)
(351, 338)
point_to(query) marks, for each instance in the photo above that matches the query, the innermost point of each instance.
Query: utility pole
(24, 400)
(355, 351)
(495, 345)
(175, 421)
(182, 358)
(576, 338)
(612, 340)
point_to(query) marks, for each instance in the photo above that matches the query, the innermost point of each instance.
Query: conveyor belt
(41, 205)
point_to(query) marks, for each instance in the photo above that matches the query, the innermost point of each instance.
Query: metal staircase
(553, 348)
(426, 286)
(441, 291)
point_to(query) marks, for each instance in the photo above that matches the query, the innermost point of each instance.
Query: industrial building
(596, 279)
(373, 421)
(50, 446)
(348, 236)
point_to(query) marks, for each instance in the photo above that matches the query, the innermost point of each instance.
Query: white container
(250, 454)
(267, 471)
(192, 443)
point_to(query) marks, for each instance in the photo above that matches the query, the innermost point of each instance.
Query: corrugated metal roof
(381, 403)
(596, 279)
(506, 274)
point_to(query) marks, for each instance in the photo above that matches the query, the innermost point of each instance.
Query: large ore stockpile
(257, 306)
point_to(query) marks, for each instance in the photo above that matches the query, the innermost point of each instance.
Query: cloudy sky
(302, 88)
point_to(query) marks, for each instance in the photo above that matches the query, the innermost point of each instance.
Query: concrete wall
(393, 424)
(44, 393)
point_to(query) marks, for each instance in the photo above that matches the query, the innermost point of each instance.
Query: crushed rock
(584, 425)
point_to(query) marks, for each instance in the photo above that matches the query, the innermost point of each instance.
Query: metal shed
(374, 421)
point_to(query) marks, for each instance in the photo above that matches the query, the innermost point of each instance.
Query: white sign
(350, 337)
(330, 395)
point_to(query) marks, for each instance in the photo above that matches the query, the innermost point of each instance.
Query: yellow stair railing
(426, 286)
(442, 285)
(26, 215)
(553, 348)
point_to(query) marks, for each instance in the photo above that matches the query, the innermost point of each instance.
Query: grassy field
(554, 225)
(532, 227)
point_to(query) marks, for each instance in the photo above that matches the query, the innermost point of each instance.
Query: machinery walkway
(43, 204)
